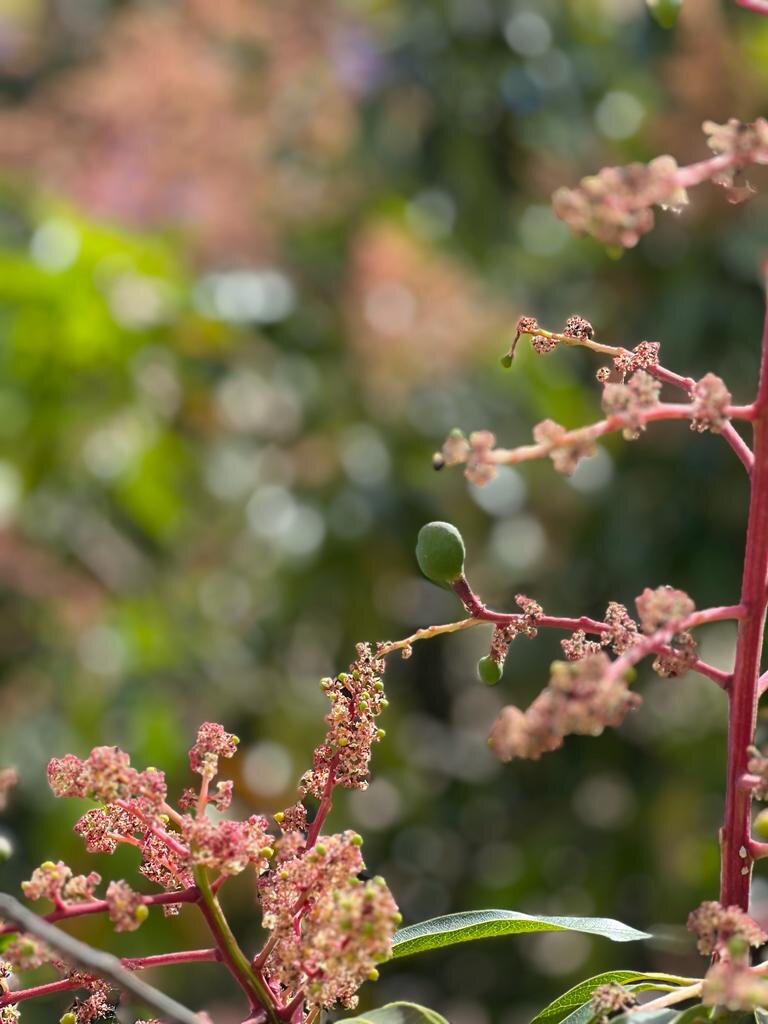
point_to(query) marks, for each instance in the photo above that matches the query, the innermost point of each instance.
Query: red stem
(182, 956)
(325, 806)
(656, 644)
(132, 963)
(189, 895)
(736, 871)
(63, 985)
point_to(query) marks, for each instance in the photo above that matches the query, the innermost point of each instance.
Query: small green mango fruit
(489, 671)
(440, 553)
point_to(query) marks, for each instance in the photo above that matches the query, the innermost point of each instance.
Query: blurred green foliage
(214, 468)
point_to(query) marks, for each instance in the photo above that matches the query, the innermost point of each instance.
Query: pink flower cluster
(329, 926)
(615, 205)
(715, 926)
(746, 143)
(582, 697)
(473, 452)
(711, 399)
(134, 811)
(357, 699)
(726, 934)
(565, 454)
(56, 883)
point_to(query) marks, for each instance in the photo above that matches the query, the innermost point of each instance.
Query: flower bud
(440, 553)
(489, 671)
(68, 1018)
(141, 913)
(6, 849)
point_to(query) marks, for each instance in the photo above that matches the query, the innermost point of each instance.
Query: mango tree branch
(94, 961)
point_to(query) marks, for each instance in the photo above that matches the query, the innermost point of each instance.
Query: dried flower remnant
(631, 400)
(98, 1004)
(681, 656)
(623, 632)
(746, 144)
(661, 607)
(611, 998)
(582, 697)
(577, 327)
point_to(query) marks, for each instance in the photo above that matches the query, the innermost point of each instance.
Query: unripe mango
(489, 671)
(440, 553)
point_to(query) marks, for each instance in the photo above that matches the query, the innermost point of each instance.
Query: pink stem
(165, 837)
(739, 445)
(132, 963)
(735, 877)
(63, 985)
(656, 643)
(325, 806)
(616, 421)
(728, 432)
(189, 895)
(182, 956)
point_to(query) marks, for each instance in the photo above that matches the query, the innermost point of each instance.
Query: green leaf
(582, 1015)
(577, 995)
(700, 1012)
(484, 924)
(398, 1013)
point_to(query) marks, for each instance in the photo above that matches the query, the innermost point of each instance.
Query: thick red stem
(736, 868)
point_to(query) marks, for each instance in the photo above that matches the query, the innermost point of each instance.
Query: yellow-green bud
(356, 839)
(68, 1018)
(373, 974)
(141, 913)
